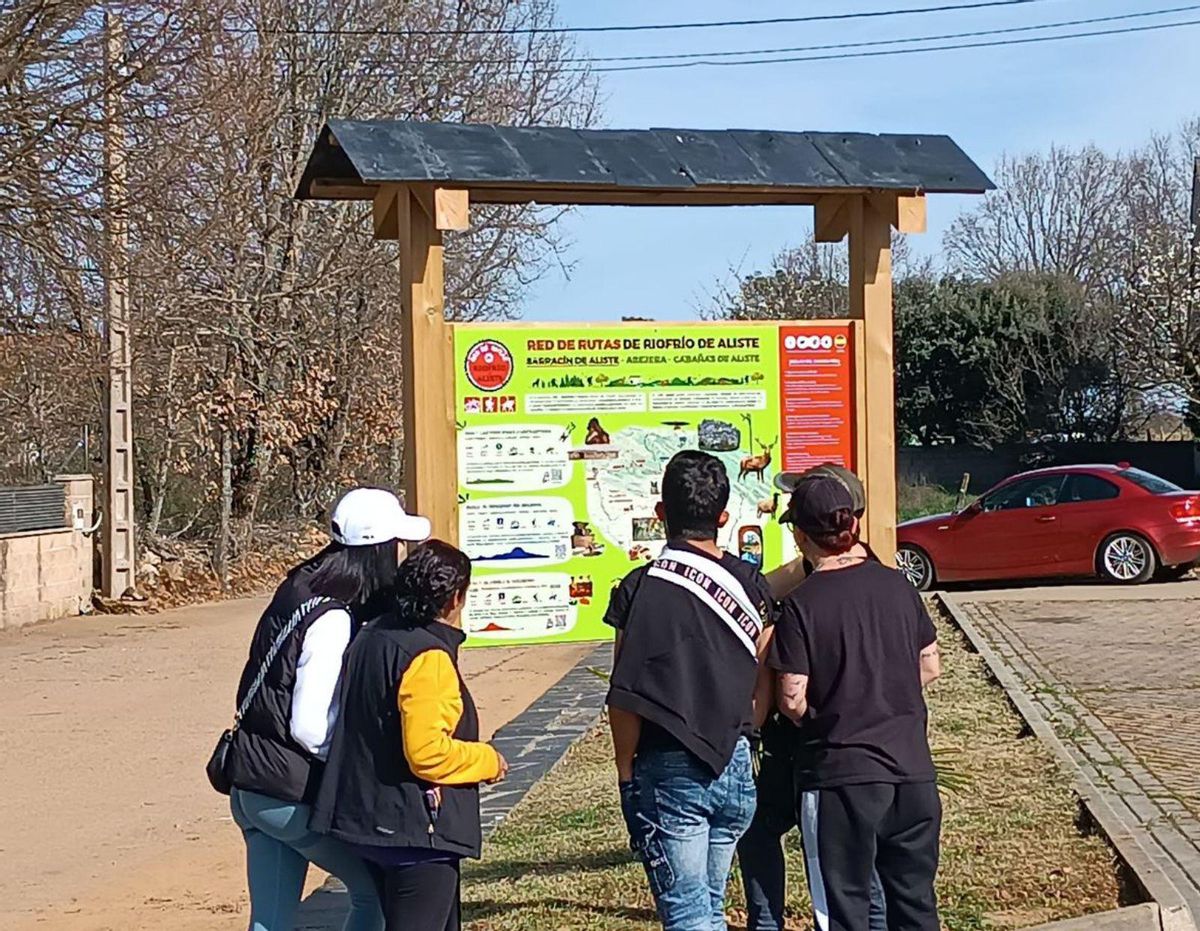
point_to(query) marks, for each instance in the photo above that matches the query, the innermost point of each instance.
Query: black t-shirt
(857, 633)
(687, 699)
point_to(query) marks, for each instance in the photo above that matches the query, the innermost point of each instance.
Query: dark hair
(426, 583)
(840, 540)
(695, 491)
(351, 574)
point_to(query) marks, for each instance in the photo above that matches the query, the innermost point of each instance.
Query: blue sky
(660, 263)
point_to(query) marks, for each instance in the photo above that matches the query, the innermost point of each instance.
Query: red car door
(1089, 509)
(1011, 532)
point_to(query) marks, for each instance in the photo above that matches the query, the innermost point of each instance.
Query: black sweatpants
(423, 897)
(892, 828)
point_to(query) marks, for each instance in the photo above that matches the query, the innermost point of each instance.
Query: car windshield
(1152, 483)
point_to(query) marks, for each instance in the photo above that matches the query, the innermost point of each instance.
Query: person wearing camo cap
(760, 851)
(784, 579)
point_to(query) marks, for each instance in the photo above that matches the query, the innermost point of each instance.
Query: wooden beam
(385, 212)
(686, 197)
(451, 209)
(831, 222)
(341, 190)
(710, 196)
(430, 444)
(871, 302)
(904, 212)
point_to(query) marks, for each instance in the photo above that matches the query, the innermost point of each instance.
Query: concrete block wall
(46, 574)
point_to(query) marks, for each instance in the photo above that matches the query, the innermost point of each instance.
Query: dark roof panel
(377, 148)
(787, 158)
(932, 163)
(555, 156)
(635, 158)
(351, 155)
(710, 157)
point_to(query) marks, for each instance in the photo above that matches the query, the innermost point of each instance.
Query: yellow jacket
(431, 704)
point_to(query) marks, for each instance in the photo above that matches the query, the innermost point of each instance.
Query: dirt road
(107, 820)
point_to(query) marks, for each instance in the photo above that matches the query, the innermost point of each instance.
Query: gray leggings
(279, 847)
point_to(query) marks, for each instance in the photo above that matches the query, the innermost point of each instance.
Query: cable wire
(637, 27)
(879, 53)
(680, 56)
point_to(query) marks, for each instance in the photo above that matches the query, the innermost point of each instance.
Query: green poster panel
(563, 433)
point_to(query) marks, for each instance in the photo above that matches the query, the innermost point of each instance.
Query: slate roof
(350, 157)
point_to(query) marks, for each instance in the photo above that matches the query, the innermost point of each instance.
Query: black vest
(264, 757)
(369, 795)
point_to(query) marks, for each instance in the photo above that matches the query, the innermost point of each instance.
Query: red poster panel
(816, 388)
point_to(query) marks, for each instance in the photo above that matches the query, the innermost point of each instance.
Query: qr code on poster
(556, 475)
(560, 551)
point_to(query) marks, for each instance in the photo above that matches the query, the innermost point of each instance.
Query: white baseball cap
(366, 516)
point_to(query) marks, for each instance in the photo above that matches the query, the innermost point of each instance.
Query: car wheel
(1127, 559)
(915, 566)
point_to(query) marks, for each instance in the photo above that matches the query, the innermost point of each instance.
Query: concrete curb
(1171, 912)
(1145, 917)
(539, 737)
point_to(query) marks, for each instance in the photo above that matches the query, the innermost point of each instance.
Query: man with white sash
(689, 628)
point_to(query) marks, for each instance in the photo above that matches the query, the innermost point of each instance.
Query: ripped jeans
(685, 827)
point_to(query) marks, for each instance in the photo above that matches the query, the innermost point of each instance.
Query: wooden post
(871, 302)
(430, 443)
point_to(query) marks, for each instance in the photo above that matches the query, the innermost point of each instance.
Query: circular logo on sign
(789, 342)
(840, 341)
(489, 365)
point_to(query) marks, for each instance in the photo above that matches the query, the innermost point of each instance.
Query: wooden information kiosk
(422, 178)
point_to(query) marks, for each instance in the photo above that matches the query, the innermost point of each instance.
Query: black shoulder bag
(218, 762)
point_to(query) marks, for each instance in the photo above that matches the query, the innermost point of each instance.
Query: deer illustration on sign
(757, 464)
(769, 505)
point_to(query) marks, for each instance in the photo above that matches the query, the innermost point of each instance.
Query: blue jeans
(760, 851)
(690, 824)
(279, 847)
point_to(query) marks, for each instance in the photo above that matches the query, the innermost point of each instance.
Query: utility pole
(119, 562)
(1195, 214)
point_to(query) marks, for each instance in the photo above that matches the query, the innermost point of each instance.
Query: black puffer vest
(369, 795)
(264, 757)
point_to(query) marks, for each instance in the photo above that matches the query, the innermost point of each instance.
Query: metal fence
(32, 507)
(1178, 461)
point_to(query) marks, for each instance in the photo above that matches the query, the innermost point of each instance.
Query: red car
(1119, 523)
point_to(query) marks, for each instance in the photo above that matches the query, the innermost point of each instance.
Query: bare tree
(267, 340)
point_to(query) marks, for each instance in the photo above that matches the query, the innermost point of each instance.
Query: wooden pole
(871, 302)
(119, 565)
(430, 443)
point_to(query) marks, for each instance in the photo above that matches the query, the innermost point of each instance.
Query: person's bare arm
(626, 730)
(931, 664)
(764, 687)
(785, 578)
(793, 695)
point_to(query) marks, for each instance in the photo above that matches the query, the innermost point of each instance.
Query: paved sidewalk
(108, 822)
(1113, 684)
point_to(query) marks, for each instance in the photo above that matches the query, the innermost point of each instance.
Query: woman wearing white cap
(287, 701)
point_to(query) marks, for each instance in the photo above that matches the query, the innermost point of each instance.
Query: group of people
(357, 745)
(740, 705)
(816, 673)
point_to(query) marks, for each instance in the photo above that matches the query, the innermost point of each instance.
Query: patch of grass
(913, 501)
(1012, 855)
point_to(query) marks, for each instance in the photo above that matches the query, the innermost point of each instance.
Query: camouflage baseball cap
(787, 482)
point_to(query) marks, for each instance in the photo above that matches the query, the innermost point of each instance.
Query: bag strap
(277, 644)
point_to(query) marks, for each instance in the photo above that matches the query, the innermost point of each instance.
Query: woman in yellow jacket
(402, 781)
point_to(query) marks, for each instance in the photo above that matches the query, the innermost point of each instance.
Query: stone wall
(46, 574)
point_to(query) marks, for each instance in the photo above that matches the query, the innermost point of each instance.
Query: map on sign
(563, 435)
